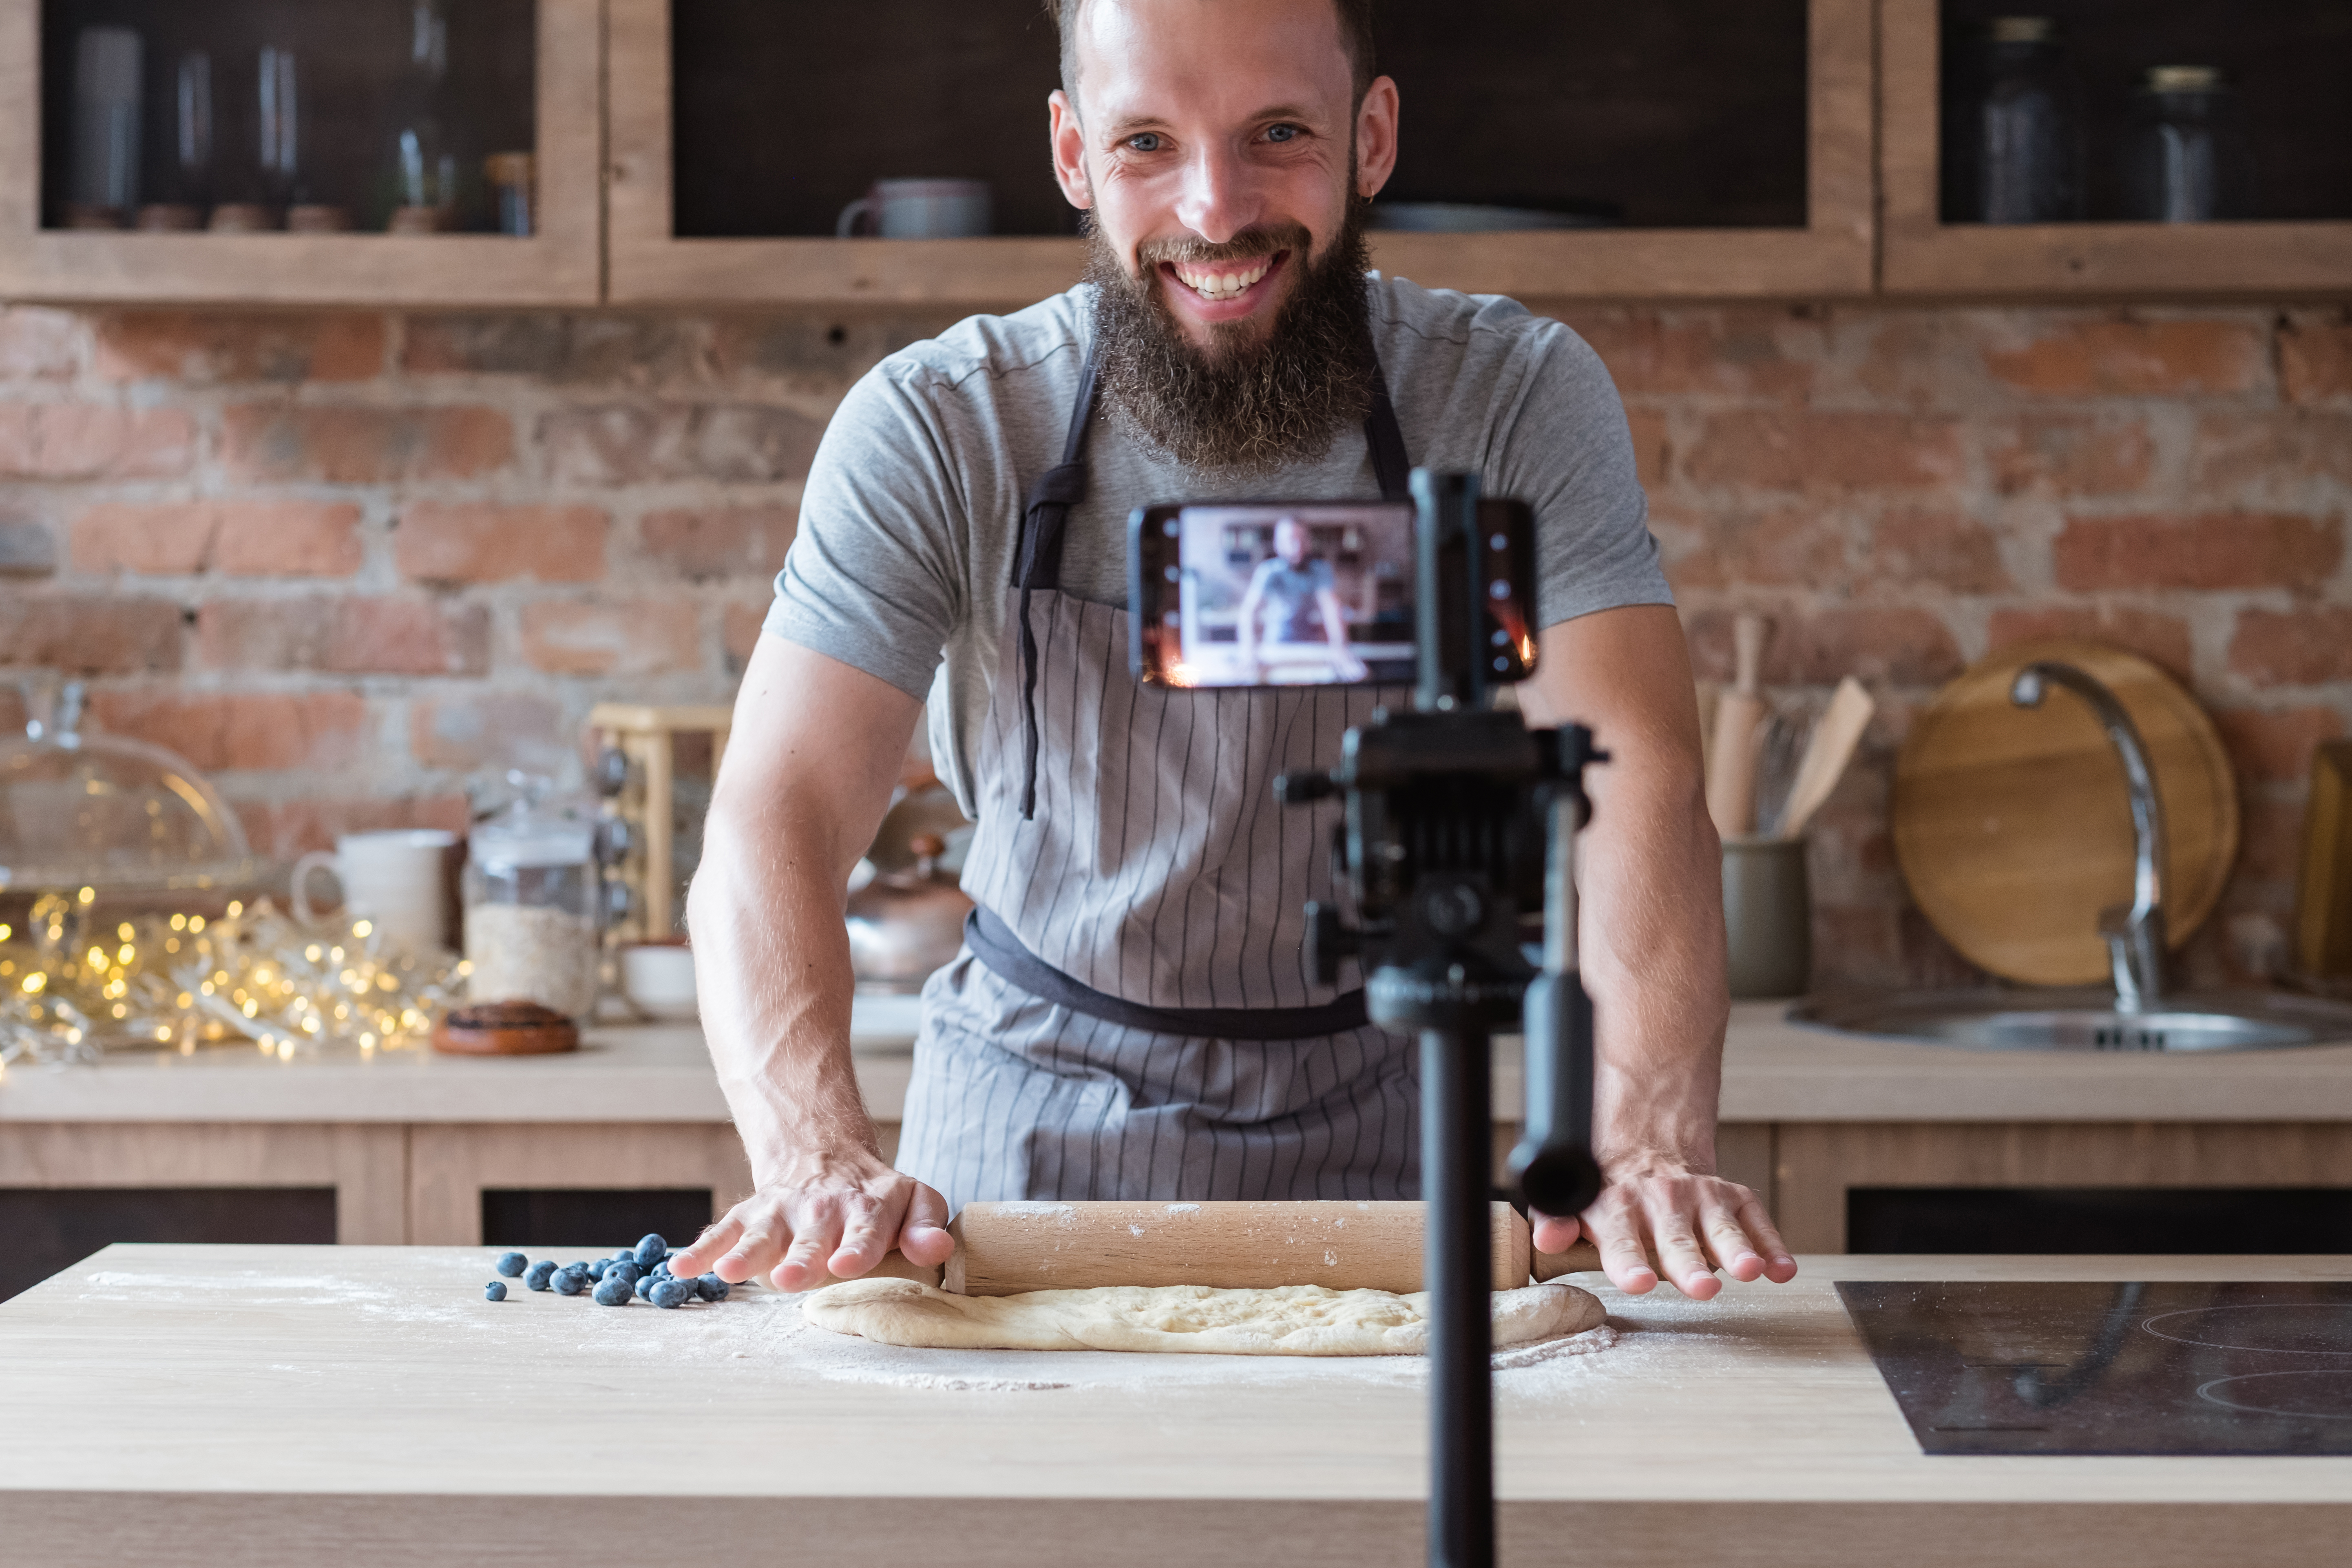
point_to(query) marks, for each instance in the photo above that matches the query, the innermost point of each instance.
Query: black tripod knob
(1328, 941)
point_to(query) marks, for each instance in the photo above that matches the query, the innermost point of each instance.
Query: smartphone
(1310, 593)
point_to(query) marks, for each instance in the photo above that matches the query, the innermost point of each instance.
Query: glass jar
(2014, 127)
(533, 904)
(2186, 158)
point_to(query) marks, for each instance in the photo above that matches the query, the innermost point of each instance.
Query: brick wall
(357, 565)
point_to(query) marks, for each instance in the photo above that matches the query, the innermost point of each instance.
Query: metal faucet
(2134, 932)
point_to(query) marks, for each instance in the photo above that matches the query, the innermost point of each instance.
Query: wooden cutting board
(2012, 826)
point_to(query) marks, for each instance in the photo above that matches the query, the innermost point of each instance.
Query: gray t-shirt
(912, 510)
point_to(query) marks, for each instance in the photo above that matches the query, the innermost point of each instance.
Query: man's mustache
(1246, 246)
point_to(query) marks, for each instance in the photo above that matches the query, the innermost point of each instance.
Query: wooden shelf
(560, 265)
(1922, 254)
(1831, 255)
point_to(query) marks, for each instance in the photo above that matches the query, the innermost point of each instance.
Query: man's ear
(1376, 136)
(1070, 142)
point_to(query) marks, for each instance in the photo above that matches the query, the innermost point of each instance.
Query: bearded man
(1132, 1016)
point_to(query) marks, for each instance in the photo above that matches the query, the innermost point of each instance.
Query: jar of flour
(532, 908)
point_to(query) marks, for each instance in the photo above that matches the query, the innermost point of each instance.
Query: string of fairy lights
(77, 981)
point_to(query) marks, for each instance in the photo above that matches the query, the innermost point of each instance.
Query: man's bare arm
(810, 762)
(1650, 940)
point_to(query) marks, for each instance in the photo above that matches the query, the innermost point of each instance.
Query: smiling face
(1290, 541)
(1219, 145)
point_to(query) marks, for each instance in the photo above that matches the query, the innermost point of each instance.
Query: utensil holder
(1768, 917)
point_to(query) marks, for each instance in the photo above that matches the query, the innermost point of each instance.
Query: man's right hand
(836, 1215)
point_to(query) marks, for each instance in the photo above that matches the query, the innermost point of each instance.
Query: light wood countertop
(244, 1405)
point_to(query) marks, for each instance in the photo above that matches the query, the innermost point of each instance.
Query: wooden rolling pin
(1006, 1249)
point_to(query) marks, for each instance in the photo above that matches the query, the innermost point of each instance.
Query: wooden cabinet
(1505, 95)
(2291, 59)
(559, 263)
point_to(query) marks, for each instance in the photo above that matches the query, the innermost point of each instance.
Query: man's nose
(1219, 196)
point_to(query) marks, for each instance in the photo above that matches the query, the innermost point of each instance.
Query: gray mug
(918, 209)
(1768, 917)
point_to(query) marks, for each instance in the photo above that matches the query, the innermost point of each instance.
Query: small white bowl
(657, 980)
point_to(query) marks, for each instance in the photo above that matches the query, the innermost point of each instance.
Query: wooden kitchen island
(361, 1405)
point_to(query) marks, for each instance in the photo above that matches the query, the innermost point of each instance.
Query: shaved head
(1355, 18)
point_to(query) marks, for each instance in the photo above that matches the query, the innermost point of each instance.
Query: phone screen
(1251, 593)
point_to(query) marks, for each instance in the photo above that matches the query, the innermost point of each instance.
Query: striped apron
(1131, 1015)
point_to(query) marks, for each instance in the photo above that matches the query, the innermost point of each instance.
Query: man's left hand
(1661, 1219)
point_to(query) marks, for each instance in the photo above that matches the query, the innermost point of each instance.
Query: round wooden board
(2012, 826)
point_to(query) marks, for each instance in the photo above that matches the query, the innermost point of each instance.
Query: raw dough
(1295, 1320)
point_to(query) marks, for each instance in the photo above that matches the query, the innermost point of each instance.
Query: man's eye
(1144, 142)
(1282, 133)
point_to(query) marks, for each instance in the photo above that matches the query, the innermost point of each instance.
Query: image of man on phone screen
(1294, 600)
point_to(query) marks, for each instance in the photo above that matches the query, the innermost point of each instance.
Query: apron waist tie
(994, 943)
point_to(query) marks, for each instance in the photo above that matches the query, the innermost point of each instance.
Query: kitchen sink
(2087, 1020)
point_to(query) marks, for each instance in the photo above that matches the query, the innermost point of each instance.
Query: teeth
(1223, 285)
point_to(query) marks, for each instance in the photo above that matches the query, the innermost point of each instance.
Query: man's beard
(1240, 404)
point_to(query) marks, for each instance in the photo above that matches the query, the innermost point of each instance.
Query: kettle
(903, 925)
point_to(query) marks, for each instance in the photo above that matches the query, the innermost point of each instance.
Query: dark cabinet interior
(2286, 65)
(352, 78)
(50, 1228)
(1686, 116)
(615, 1217)
(2159, 1221)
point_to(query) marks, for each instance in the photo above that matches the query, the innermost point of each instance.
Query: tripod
(1457, 820)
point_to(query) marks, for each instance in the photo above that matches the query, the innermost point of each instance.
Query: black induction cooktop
(2064, 1368)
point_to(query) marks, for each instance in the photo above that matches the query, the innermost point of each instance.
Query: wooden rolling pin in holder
(1007, 1249)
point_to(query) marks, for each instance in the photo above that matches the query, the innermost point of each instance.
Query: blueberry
(671, 1291)
(494, 1292)
(651, 1248)
(711, 1287)
(629, 1273)
(661, 1266)
(567, 1283)
(645, 1286)
(595, 1269)
(512, 1264)
(540, 1273)
(612, 1292)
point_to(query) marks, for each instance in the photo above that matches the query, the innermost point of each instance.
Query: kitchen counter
(365, 1406)
(1772, 1071)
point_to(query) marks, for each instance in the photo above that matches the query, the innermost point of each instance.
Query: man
(1133, 1016)
(1292, 599)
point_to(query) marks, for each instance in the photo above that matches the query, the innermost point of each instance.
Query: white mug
(397, 879)
(919, 209)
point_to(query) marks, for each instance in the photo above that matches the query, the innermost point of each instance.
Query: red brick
(2070, 457)
(241, 537)
(2276, 744)
(90, 633)
(1826, 451)
(232, 731)
(282, 830)
(28, 548)
(364, 445)
(37, 345)
(2270, 836)
(2216, 550)
(2276, 447)
(1902, 646)
(1774, 547)
(2163, 640)
(1740, 353)
(721, 541)
(1942, 549)
(2315, 361)
(629, 637)
(440, 543)
(1652, 450)
(12, 711)
(635, 443)
(93, 440)
(553, 346)
(2299, 647)
(204, 347)
(493, 730)
(2132, 358)
(344, 636)
(738, 634)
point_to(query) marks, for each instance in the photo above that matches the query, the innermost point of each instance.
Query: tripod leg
(1456, 1146)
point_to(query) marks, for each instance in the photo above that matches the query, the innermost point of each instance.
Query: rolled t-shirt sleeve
(872, 578)
(1567, 451)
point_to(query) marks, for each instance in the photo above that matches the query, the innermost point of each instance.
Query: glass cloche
(113, 815)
